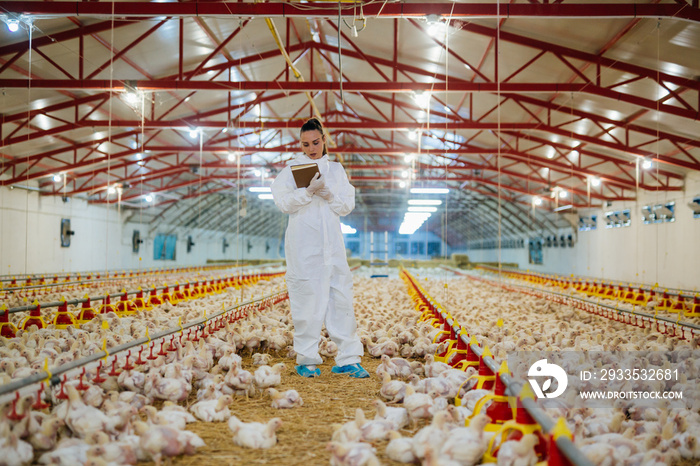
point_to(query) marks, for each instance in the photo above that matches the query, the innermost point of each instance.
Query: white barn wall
(664, 253)
(30, 238)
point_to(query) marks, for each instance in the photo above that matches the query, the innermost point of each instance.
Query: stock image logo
(543, 369)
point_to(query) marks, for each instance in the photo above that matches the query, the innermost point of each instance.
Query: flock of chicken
(120, 421)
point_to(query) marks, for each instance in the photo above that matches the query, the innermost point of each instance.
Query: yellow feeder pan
(522, 425)
(63, 319)
(472, 359)
(500, 410)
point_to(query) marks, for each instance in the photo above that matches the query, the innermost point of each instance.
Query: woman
(318, 277)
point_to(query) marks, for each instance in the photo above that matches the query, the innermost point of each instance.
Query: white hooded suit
(318, 277)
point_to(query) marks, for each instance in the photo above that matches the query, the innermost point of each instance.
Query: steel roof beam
(379, 10)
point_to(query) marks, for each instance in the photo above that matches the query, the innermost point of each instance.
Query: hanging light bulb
(131, 98)
(402, 184)
(595, 181)
(194, 133)
(111, 190)
(562, 194)
(148, 198)
(537, 201)
(413, 135)
(232, 156)
(57, 178)
(646, 164)
(422, 99)
(12, 25)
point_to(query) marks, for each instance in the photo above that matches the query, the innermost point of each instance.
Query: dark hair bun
(312, 124)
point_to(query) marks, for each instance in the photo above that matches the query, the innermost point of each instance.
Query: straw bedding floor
(329, 399)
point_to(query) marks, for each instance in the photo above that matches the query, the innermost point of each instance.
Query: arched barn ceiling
(194, 102)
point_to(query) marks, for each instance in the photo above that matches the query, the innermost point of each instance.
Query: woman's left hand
(325, 193)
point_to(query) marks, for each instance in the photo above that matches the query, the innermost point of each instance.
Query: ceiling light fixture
(260, 189)
(646, 164)
(595, 181)
(429, 190)
(131, 98)
(413, 134)
(265, 196)
(424, 202)
(194, 132)
(232, 156)
(148, 198)
(422, 209)
(12, 25)
(537, 201)
(422, 99)
(57, 178)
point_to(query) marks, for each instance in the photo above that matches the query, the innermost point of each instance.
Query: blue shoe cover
(354, 370)
(304, 371)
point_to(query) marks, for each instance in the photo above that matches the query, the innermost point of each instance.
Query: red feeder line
(140, 361)
(127, 366)
(150, 356)
(98, 378)
(499, 411)
(114, 372)
(171, 347)
(13, 415)
(61, 393)
(81, 386)
(39, 404)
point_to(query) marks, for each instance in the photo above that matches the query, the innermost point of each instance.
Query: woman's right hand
(315, 184)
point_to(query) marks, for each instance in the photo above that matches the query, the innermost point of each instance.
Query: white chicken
(45, 435)
(518, 452)
(254, 434)
(392, 391)
(432, 435)
(466, 445)
(15, 452)
(266, 376)
(229, 359)
(176, 415)
(418, 405)
(353, 453)
(158, 441)
(284, 400)
(350, 431)
(261, 359)
(68, 452)
(328, 348)
(213, 410)
(434, 368)
(400, 448)
(240, 380)
(396, 415)
(165, 388)
(83, 419)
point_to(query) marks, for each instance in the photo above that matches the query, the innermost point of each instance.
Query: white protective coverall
(318, 276)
